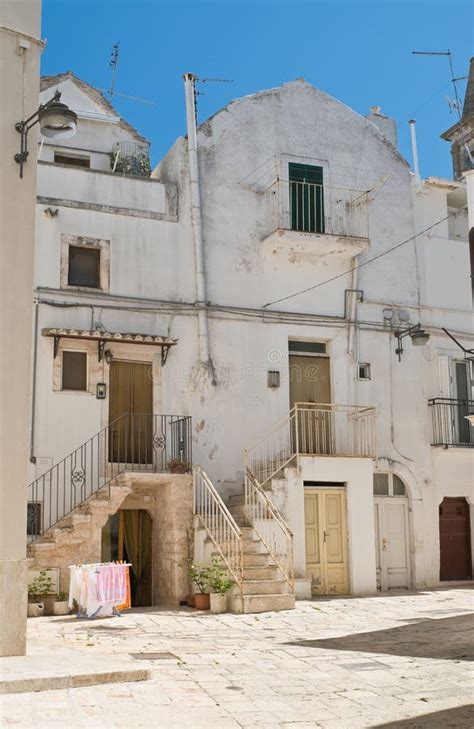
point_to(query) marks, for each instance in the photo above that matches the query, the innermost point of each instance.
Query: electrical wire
(364, 263)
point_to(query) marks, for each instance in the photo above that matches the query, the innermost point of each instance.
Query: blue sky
(358, 51)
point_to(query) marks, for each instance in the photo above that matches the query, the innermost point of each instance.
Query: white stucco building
(314, 257)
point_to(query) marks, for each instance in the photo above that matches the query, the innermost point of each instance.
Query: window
(306, 347)
(74, 371)
(388, 484)
(84, 267)
(363, 371)
(33, 518)
(306, 197)
(68, 159)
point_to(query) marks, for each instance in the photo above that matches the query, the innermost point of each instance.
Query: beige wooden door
(391, 535)
(310, 383)
(326, 540)
(131, 411)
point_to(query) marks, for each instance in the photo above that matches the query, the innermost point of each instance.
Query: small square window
(33, 519)
(74, 374)
(68, 159)
(84, 267)
(363, 369)
(380, 484)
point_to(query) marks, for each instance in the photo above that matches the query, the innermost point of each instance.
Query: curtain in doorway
(137, 538)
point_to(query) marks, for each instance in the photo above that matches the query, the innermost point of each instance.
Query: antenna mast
(113, 63)
(454, 80)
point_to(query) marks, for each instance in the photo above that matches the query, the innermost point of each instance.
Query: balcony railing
(314, 429)
(311, 208)
(450, 427)
(132, 442)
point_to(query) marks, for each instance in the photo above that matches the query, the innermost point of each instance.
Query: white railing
(312, 208)
(219, 524)
(316, 429)
(270, 527)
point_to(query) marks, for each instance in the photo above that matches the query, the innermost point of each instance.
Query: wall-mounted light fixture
(108, 356)
(55, 119)
(417, 335)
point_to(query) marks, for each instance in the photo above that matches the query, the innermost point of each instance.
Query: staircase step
(265, 603)
(268, 572)
(265, 587)
(74, 519)
(236, 500)
(262, 559)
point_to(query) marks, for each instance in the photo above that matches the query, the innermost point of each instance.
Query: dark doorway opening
(455, 539)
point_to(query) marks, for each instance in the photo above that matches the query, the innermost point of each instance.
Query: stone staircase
(76, 538)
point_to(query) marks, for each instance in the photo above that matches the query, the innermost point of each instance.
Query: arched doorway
(391, 532)
(455, 557)
(127, 537)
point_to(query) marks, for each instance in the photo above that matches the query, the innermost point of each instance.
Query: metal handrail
(270, 526)
(131, 442)
(449, 424)
(219, 524)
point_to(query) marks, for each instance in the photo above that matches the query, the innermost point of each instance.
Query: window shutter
(444, 377)
(444, 415)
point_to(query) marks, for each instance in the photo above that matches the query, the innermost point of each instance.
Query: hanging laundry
(99, 589)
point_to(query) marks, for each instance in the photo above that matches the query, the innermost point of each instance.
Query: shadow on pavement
(445, 638)
(461, 716)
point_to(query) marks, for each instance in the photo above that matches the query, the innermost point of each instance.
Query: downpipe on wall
(196, 221)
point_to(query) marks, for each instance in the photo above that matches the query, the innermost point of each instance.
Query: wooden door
(326, 540)
(391, 535)
(310, 383)
(131, 412)
(455, 539)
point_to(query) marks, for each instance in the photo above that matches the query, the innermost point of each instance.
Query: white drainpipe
(196, 218)
(414, 149)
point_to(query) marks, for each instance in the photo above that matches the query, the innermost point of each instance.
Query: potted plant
(39, 589)
(176, 465)
(61, 606)
(219, 584)
(200, 576)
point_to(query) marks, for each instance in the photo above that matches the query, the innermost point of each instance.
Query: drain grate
(162, 656)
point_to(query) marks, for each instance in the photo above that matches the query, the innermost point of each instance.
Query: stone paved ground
(387, 661)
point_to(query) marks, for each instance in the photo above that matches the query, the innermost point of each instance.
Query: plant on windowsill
(200, 575)
(61, 606)
(219, 584)
(176, 465)
(40, 589)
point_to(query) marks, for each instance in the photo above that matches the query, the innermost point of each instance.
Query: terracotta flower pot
(61, 607)
(218, 603)
(202, 600)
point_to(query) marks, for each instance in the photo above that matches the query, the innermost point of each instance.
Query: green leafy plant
(219, 580)
(62, 597)
(40, 587)
(200, 575)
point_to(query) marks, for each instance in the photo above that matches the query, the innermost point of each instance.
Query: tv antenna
(198, 80)
(454, 104)
(111, 92)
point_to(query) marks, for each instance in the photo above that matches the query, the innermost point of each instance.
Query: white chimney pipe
(414, 149)
(196, 218)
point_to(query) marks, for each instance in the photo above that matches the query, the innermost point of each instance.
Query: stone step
(236, 500)
(262, 559)
(75, 518)
(264, 587)
(264, 603)
(268, 572)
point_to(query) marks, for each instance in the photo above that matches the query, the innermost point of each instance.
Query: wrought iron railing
(312, 208)
(450, 426)
(219, 524)
(316, 429)
(132, 442)
(270, 526)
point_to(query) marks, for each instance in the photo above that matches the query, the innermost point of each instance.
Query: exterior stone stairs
(74, 539)
(263, 588)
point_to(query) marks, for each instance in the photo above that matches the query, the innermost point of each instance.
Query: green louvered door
(306, 198)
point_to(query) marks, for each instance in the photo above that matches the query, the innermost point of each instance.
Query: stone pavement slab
(398, 660)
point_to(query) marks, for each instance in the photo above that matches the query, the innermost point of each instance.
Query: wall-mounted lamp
(417, 335)
(55, 119)
(108, 356)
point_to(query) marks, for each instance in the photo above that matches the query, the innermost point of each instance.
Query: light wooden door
(326, 540)
(131, 412)
(310, 383)
(391, 535)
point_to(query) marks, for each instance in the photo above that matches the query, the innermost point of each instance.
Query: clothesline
(100, 589)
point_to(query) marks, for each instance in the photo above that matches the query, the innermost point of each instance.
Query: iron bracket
(100, 349)
(164, 353)
(55, 346)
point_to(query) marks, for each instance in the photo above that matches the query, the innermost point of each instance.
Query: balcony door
(131, 412)
(310, 384)
(463, 395)
(306, 197)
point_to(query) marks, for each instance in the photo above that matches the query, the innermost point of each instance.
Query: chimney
(385, 125)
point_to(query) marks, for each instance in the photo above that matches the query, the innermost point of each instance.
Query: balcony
(450, 427)
(318, 219)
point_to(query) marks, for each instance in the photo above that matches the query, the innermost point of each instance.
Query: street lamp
(55, 120)
(417, 335)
